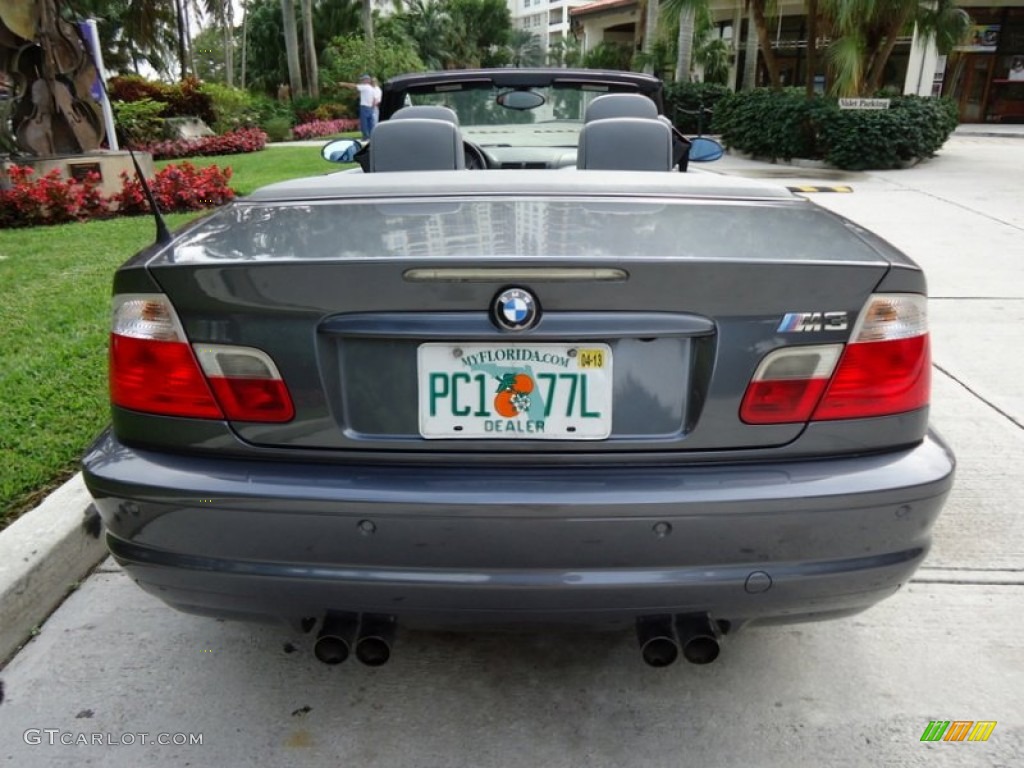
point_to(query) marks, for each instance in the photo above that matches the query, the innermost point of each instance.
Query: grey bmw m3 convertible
(472, 383)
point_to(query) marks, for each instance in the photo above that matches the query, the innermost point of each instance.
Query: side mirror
(341, 151)
(704, 150)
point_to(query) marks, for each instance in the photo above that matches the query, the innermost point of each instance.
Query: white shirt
(366, 94)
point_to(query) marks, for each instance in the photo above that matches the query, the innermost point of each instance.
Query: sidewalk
(998, 130)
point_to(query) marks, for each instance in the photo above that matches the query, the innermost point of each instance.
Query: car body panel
(507, 545)
(687, 282)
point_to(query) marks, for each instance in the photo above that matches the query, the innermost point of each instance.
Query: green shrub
(330, 110)
(913, 128)
(785, 124)
(139, 122)
(278, 128)
(768, 123)
(267, 109)
(233, 108)
(682, 100)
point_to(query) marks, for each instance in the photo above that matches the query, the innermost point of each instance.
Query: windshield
(555, 122)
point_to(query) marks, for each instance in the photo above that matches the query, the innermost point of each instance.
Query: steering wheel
(476, 160)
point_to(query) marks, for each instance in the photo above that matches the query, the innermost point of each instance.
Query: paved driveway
(115, 662)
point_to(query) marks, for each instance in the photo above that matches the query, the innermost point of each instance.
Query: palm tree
(685, 12)
(525, 48)
(428, 24)
(750, 54)
(565, 52)
(650, 35)
(761, 10)
(291, 44)
(309, 40)
(222, 13)
(865, 32)
(812, 46)
(368, 19)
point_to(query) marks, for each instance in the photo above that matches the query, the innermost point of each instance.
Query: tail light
(884, 369)
(154, 369)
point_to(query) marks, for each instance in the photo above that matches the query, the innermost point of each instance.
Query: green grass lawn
(54, 321)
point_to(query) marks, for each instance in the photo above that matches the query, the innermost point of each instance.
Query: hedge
(785, 124)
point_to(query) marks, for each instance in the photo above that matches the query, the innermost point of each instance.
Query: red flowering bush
(317, 128)
(233, 143)
(53, 200)
(50, 199)
(177, 188)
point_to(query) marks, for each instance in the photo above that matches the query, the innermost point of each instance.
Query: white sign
(515, 391)
(864, 103)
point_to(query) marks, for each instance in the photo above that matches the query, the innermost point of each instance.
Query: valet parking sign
(864, 103)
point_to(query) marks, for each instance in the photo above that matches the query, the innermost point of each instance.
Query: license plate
(515, 391)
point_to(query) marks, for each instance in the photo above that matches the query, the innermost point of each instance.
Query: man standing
(367, 96)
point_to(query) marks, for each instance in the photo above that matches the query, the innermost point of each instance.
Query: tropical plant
(607, 55)
(388, 54)
(428, 25)
(865, 32)
(565, 52)
(291, 47)
(309, 44)
(524, 47)
(132, 32)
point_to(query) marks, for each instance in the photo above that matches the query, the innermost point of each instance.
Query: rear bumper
(778, 541)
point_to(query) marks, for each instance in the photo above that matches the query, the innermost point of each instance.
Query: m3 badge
(807, 322)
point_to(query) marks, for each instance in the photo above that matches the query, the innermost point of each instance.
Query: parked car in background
(518, 369)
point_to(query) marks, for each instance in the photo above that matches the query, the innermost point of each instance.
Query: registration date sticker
(515, 391)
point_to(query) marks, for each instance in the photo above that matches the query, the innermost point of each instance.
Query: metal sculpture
(53, 111)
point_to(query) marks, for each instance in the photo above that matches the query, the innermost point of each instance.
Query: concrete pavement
(860, 691)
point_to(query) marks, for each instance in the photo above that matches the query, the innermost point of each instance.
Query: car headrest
(625, 144)
(428, 112)
(620, 105)
(416, 144)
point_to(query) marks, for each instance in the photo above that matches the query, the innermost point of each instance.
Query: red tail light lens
(788, 384)
(884, 369)
(247, 383)
(153, 369)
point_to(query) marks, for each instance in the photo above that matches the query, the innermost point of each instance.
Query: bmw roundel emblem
(515, 309)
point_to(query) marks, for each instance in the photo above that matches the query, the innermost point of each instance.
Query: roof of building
(600, 5)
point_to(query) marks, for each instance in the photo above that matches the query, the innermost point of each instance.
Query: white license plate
(515, 391)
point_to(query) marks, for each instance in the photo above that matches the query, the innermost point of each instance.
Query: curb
(42, 556)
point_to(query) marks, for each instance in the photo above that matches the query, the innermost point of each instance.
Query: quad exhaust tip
(369, 636)
(661, 639)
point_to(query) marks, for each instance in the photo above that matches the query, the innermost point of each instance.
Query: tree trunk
(650, 34)
(229, 44)
(291, 46)
(761, 22)
(873, 81)
(685, 44)
(245, 41)
(182, 54)
(812, 45)
(312, 76)
(750, 55)
(367, 16)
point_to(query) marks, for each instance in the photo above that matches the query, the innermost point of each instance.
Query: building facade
(985, 75)
(548, 19)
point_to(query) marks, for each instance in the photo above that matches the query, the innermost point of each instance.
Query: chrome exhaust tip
(334, 640)
(699, 637)
(658, 645)
(376, 636)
